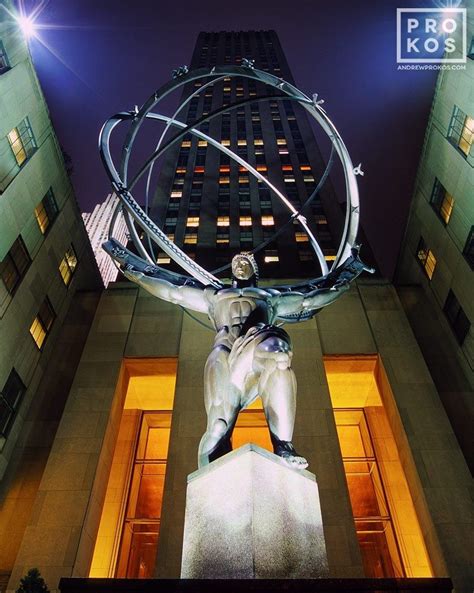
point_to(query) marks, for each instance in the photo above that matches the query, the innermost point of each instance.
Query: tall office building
(111, 499)
(46, 270)
(97, 226)
(435, 273)
(211, 206)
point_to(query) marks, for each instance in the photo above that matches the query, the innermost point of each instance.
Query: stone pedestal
(248, 515)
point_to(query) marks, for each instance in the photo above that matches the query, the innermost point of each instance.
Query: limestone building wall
(131, 325)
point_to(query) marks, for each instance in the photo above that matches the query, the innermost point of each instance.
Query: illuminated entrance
(389, 534)
(129, 530)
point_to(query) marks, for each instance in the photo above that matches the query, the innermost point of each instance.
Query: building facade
(45, 260)
(97, 226)
(110, 500)
(435, 274)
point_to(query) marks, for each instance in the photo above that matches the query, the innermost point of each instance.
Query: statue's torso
(235, 310)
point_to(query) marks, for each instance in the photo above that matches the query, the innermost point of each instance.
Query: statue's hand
(132, 274)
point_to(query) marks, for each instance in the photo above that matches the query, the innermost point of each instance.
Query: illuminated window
(192, 221)
(457, 318)
(46, 212)
(190, 238)
(305, 168)
(258, 142)
(288, 179)
(301, 237)
(170, 236)
(222, 239)
(198, 170)
(224, 169)
(163, 259)
(245, 221)
(442, 202)
(390, 537)
(22, 141)
(308, 178)
(286, 168)
(271, 256)
(223, 221)
(283, 151)
(224, 180)
(10, 400)
(68, 265)
(225, 142)
(243, 179)
(202, 143)
(186, 144)
(281, 142)
(461, 131)
(176, 194)
(42, 323)
(268, 220)
(241, 142)
(14, 266)
(4, 63)
(181, 170)
(426, 258)
(262, 168)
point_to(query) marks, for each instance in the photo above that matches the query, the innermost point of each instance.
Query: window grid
(461, 131)
(46, 212)
(457, 318)
(68, 266)
(22, 142)
(426, 258)
(15, 265)
(468, 251)
(4, 63)
(10, 400)
(42, 323)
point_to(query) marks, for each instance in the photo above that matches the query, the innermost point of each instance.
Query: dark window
(4, 63)
(469, 248)
(10, 399)
(42, 323)
(458, 320)
(46, 212)
(13, 268)
(461, 131)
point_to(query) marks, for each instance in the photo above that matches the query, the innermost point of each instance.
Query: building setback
(111, 499)
(97, 226)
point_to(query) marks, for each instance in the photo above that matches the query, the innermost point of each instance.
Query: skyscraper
(213, 207)
(97, 226)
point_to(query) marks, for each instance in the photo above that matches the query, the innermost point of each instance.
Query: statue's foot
(286, 451)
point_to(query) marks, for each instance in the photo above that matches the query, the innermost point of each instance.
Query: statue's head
(245, 269)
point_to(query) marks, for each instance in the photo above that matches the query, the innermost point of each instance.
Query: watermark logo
(431, 35)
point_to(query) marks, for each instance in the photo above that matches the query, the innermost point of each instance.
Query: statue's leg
(222, 401)
(277, 388)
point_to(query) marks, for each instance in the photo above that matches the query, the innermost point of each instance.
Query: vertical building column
(188, 425)
(436, 470)
(316, 438)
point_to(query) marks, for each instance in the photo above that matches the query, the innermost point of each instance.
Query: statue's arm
(320, 292)
(186, 296)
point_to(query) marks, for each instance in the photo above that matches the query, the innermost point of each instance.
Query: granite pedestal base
(248, 515)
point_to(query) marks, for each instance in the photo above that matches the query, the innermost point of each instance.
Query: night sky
(112, 54)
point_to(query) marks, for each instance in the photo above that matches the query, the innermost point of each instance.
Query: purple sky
(112, 54)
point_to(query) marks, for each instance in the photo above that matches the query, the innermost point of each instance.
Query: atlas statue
(252, 353)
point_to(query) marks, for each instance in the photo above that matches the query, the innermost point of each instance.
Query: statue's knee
(274, 352)
(218, 428)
